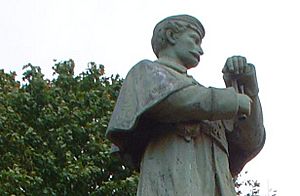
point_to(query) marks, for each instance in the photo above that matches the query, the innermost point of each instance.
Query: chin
(192, 65)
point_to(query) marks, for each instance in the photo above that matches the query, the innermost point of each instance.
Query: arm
(198, 103)
(249, 134)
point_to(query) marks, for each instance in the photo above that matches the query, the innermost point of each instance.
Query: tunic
(174, 166)
(175, 132)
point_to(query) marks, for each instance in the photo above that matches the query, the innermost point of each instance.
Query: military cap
(194, 22)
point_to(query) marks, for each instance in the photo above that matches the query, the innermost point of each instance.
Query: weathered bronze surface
(186, 139)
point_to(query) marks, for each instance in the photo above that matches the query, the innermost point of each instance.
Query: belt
(213, 129)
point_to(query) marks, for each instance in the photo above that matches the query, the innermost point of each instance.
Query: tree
(249, 187)
(52, 134)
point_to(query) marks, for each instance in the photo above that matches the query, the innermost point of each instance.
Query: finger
(249, 68)
(236, 64)
(242, 64)
(250, 100)
(224, 70)
(249, 112)
(246, 68)
(229, 65)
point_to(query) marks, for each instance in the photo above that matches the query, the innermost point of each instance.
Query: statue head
(177, 24)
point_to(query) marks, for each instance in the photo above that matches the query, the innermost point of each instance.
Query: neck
(172, 64)
(169, 60)
(167, 55)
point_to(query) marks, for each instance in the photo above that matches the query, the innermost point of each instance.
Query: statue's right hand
(244, 104)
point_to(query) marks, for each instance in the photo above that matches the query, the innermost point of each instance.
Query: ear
(171, 37)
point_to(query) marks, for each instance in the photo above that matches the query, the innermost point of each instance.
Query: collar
(172, 65)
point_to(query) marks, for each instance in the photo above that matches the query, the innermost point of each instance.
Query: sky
(117, 34)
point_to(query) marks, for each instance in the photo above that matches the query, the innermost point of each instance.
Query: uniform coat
(183, 137)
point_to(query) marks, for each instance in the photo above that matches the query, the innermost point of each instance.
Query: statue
(184, 138)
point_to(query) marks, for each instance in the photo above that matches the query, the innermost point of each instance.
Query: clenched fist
(241, 75)
(237, 65)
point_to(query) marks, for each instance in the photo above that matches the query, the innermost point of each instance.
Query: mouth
(196, 55)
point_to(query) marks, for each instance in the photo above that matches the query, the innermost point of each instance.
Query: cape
(146, 84)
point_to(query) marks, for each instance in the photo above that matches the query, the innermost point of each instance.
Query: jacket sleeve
(197, 103)
(248, 136)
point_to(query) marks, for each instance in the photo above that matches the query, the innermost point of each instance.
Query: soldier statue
(183, 137)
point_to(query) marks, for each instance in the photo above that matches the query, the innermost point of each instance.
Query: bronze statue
(186, 139)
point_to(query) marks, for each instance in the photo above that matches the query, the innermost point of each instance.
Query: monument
(183, 137)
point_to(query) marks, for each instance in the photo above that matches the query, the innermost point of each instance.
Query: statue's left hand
(238, 70)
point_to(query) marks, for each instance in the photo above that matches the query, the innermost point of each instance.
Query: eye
(196, 39)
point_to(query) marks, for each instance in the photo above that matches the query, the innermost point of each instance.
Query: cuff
(224, 103)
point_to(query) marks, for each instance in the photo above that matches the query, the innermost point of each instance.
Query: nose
(200, 51)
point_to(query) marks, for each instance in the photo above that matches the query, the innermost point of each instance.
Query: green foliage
(52, 134)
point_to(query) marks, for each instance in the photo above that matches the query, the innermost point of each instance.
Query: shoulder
(145, 62)
(143, 66)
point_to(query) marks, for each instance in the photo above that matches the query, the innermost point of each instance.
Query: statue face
(187, 48)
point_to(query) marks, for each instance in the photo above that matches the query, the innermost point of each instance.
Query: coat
(156, 105)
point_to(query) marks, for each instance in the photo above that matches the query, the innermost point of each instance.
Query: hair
(178, 24)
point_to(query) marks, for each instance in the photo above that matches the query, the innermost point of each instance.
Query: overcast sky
(117, 34)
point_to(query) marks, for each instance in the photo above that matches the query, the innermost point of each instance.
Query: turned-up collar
(172, 65)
